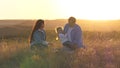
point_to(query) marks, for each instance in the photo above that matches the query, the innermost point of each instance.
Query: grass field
(102, 51)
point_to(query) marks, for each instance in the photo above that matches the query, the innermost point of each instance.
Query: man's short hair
(72, 18)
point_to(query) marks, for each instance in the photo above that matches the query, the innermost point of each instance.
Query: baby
(63, 37)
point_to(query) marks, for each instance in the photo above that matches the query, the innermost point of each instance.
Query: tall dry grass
(102, 51)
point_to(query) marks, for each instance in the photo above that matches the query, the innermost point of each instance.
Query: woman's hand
(50, 43)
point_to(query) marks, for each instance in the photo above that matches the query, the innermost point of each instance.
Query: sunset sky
(60, 9)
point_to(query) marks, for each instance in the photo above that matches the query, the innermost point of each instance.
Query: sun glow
(90, 9)
(60, 9)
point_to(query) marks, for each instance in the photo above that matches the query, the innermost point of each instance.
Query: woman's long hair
(36, 27)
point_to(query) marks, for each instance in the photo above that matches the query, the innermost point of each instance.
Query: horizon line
(65, 19)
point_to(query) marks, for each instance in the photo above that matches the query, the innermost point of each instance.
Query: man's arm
(77, 40)
(65, 28)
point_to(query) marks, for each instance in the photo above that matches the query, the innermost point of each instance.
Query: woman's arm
(38, 38)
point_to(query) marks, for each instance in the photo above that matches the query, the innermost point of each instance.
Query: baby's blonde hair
(59, 27)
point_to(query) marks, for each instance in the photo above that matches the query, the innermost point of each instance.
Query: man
(74, 33)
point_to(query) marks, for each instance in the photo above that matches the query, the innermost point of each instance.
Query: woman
(38, 36)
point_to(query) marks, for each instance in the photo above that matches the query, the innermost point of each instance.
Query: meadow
(102, 50)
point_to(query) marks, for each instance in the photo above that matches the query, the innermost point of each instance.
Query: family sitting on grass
(70, 37)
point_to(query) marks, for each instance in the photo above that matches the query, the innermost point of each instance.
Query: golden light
(90, 9)
(59, 9)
